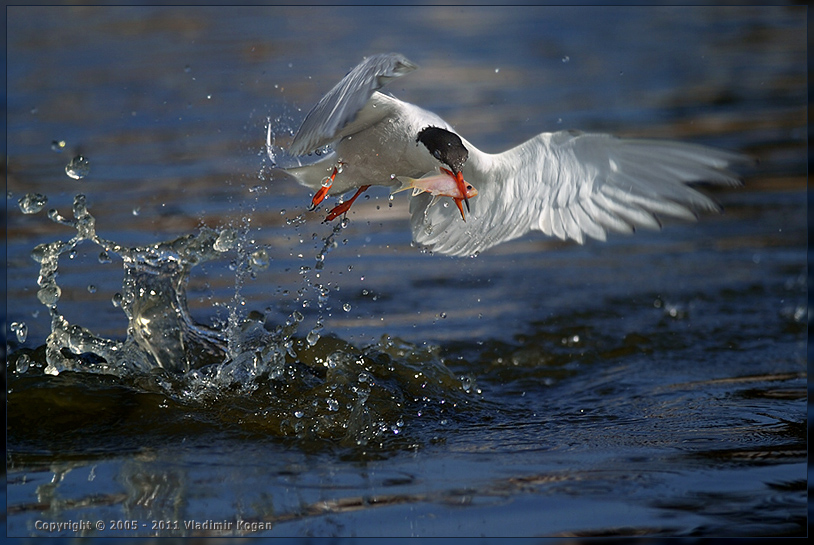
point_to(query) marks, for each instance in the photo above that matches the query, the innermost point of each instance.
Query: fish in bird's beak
(443, 184)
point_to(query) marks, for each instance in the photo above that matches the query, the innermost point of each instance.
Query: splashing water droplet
(32, 203)
(49, 295)
(58, 145)
(23, 362)
(78, 168)
(566, 59)
(259, 260)
(226, 240)
(313, 336)
(20, 330)
(346, 307)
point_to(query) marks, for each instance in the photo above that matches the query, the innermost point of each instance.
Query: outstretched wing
(339, 107)
(572, 186)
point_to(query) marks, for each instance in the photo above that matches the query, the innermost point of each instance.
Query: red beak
(459, 177)
(460, 207)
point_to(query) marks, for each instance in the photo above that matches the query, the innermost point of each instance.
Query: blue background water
(654, 384)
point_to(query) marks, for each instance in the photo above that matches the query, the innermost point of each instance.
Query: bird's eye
(469, 188)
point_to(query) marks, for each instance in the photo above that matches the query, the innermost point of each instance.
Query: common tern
(567, 184)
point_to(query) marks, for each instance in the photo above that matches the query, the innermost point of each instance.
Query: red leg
(320, 195)
(340, 209)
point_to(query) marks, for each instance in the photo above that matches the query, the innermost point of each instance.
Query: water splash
(247, 372)
(312, 278)
(160, 332)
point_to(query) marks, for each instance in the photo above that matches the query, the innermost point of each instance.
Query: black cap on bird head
(445, 146)
(448, 148)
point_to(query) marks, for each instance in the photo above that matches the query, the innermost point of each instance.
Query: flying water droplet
(346, 307)
(78, 168)
(58, 145)
(20, 330)
(23, 362)
(49, 295)
(32, 203)
(566, 59)
(226, 240)
(260, 260)
(312, 338)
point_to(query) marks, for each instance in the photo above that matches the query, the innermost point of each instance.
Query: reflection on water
(192, 350)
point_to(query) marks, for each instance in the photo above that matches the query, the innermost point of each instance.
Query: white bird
(567, 184)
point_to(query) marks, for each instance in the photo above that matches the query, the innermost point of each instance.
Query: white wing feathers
(565, 184)
(572, 185)
(340, 105)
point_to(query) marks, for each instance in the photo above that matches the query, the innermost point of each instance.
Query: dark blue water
(650, 385)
